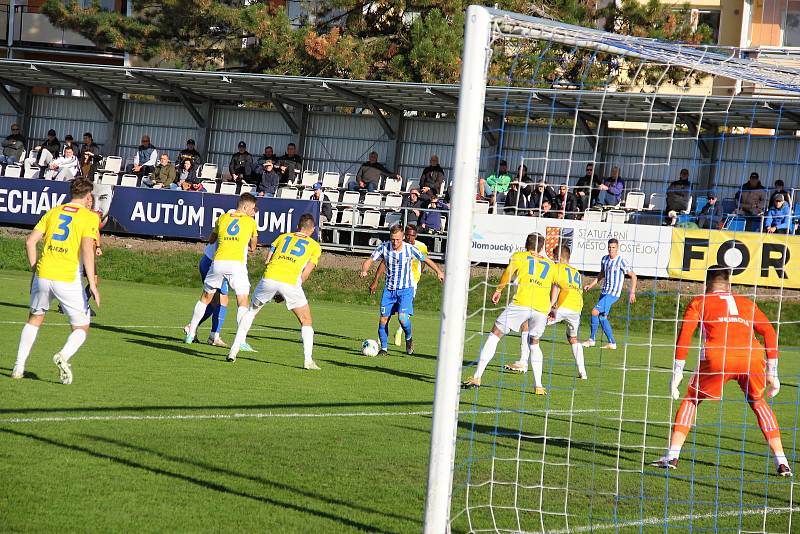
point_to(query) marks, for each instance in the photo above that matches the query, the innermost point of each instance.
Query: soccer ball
(370, 347)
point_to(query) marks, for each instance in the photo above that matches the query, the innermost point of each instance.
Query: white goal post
(483, 26)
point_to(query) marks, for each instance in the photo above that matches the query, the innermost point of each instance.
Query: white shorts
(69, 294)
(572, 318)
(234, 271)
(513, 317)
(266, 289)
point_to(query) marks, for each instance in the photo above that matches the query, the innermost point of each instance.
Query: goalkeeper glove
(677, 377)
(772, 377)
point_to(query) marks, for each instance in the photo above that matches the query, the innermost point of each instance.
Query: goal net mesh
(578, 459)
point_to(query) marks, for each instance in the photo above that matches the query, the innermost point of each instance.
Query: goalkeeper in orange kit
(729, 351)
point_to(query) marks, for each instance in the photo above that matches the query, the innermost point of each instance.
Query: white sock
(780, 459)
(197, 314)
(307, 333)
(487, 353)
(577, 353)
(245, 321)
(537, 359)
(26, 340)
(240, 311)
(673, 453)
(74, 342)
(524, 349)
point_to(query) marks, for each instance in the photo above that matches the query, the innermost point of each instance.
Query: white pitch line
(649, 521)
(264, 415)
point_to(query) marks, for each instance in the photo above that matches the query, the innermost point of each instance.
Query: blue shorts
(604, 304)
(399, 301)
(205, 265)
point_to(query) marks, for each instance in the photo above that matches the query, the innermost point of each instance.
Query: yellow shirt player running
(416, 272)
(289, 263)
(236, 234)
(70, 233)
(535, 275)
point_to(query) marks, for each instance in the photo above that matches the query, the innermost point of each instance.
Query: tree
(382, 40)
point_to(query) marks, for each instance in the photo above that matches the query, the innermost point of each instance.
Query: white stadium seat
(210, 186)
(309, 178)
(348, 177)
(351, 197)
(109, 178)
(391, 185)
(392, 218)
(306, 194)
(228, 188)
(287, 192)
(481, 206)
(593, 216)
(13, 171)
(111, 164)
(371, 219)
(247, 188)
(32, 172)
(634, 200)
(658, 201)
(411, 184)
(208, 171)
(347, 217)
(373, 200)
(330, 180)
(129, 180)
(616, 217)
(393, 201)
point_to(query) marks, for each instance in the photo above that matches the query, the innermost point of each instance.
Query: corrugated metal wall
(340, 142)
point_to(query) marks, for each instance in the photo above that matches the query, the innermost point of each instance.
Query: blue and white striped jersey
(614, 272)
(399, 272)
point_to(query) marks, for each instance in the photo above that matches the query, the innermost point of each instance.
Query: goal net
(550, 99)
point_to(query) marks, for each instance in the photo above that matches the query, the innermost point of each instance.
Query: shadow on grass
(245, 476)
(205, 484)
(6, 371)
(175, 346)
(385, 370)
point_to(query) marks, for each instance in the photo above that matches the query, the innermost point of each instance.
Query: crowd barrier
(149, 212)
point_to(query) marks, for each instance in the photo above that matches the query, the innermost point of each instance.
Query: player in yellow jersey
(70, 233)
(417, 267)
(290, 260)
(535, 275)
(236, 234)
(567, 308)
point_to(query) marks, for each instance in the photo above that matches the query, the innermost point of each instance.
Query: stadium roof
(392, 97)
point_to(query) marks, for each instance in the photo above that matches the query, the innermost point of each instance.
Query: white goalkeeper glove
(772, 378)
(677, 377)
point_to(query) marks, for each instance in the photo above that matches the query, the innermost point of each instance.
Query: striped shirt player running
(730, 351)
(416, 271)
(398, 292)
(290, 260)
(237, 233)
(567, 308)
(70, 233)
(535, 275)
(613, 269)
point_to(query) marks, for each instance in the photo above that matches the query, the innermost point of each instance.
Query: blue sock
(405, 324)
(208, 313)
(383, 335)
(607, 329)
(218, 319)
(595, 326)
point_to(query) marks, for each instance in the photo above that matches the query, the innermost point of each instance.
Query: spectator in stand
(587, 188)
(63, 168)
(542, 192)
(268, 154)
(566, 203)
(779, 190)
(411, 205)
(369, 175)
(163, 176)
(612, 189)
(527, 185)
(430, 221)
(241, 165)
(711, 216)
(432, 179)
(290, 164)
(13, 146)
(752, 199)
(89, 156)
(679, 194)
(516, 202)
(269, 180)
(190, 152)
(70, 141)
(495, 187)
(44, 153)
(326, 213)
(779, 216)
(187, 178)
(145, 159)
(546, 210)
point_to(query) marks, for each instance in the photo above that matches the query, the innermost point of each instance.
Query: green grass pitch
(155, 435)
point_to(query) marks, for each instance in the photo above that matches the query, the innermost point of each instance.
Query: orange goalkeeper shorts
(710, 378)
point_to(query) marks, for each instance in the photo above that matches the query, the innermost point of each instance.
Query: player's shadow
(140, 333)
(205, 484)
(6, 371)
(385, 370)
(252, 336)
(296, 331)
(14, 305)
(246, 476)
(175, 346)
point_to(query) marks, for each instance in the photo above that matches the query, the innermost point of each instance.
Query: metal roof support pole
(713, 160)
(5, 93)
(491, 125)
(303, 113)
(395, 144)
(203, 135)
(24, 118)
(602, 147)
(287, 117)
(112, 143)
